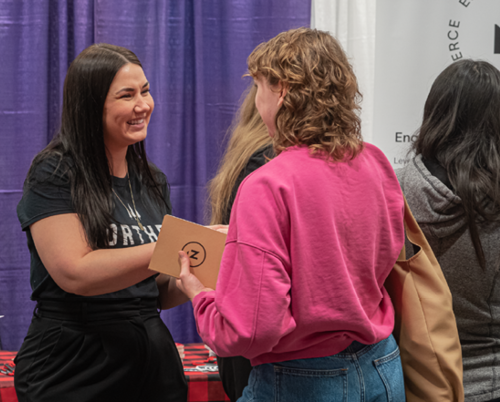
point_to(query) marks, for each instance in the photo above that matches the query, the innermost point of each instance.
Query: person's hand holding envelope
(201, 252)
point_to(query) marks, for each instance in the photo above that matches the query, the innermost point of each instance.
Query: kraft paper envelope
(204, 247)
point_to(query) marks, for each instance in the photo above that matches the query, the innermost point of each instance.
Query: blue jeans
(361, 373)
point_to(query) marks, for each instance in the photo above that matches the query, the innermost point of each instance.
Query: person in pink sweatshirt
(313, 235)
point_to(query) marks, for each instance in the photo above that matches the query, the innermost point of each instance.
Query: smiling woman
(92, 209)
(127, 110)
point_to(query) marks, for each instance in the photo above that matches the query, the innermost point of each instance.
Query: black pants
(99, 351)
(234, 373)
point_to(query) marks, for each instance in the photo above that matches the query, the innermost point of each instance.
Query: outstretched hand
(189, 284)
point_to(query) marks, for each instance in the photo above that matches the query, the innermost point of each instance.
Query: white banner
(415, 40)
(352, 22)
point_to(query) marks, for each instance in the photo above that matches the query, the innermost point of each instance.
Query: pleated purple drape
(194, 54)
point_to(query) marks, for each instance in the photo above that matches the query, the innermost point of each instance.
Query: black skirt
(99, 351)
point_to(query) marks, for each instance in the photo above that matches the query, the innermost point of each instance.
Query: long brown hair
(248, 135)
(322, 100)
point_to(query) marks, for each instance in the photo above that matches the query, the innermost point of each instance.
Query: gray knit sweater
(476, 292)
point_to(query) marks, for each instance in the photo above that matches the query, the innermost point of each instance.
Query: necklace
(136, 215)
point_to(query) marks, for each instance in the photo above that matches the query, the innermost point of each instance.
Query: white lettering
(151, 234)
(114, 229)
(138, 231)
(127, 235)
(133, 213)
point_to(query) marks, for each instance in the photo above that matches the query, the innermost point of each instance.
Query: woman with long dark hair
(92, 209)
(313, 235)
(453, 188)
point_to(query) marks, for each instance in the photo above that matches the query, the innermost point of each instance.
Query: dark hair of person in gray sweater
(452, 185)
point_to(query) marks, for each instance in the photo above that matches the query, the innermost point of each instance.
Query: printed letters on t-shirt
(130, 235)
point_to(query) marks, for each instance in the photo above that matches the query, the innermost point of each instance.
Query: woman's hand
(189, 284)
(170, 294)
(219, 228)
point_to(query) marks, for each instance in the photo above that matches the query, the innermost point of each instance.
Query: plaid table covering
(203, 387)
(7, 392)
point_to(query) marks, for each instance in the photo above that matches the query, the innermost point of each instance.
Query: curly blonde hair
(320, 108)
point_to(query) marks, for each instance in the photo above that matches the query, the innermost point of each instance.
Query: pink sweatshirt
(309, 247)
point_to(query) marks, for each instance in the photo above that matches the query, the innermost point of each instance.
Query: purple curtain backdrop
(194, 54)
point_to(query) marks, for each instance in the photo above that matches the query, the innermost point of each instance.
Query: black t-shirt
(49, 194)
(258, 159)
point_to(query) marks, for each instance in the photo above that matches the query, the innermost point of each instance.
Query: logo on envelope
(196, 252)
(204, 247)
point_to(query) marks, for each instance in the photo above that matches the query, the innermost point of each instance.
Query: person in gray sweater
(452, 185)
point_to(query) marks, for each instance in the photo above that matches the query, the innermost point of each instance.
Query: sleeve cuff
(203, 295)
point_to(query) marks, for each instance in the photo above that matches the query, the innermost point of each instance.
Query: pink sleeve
(250, 310)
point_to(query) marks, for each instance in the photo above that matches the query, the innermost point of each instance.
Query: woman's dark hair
(80, 138)
(461, 131)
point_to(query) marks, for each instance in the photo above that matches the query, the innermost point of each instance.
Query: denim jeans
(361, 373)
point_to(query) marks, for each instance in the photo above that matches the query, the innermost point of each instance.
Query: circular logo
(196, 253)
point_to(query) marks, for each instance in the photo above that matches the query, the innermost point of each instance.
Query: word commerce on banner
(415, 41)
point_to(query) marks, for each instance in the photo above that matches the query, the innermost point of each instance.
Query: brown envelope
(203, 246)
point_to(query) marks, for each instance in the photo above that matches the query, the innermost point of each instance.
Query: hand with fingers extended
(189, 284)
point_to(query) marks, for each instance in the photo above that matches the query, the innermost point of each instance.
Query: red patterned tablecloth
(203, 387)
(7, 392)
